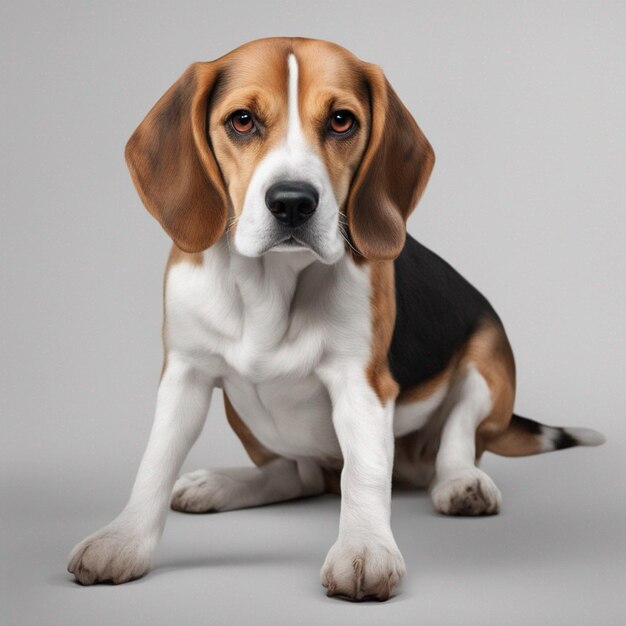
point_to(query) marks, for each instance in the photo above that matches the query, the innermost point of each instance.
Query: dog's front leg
(365, 561)
(122, 550)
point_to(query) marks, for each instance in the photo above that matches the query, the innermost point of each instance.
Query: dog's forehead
(258, 64)
(325, 65)
(264, 64)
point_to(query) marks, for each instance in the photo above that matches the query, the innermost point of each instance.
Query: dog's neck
(281, 294)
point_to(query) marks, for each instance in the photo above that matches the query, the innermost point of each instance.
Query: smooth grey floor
(555, 555)
(524, 104)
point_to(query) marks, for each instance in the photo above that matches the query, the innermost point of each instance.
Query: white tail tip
(586, 436)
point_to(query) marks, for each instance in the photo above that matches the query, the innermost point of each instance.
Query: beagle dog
(349, 355)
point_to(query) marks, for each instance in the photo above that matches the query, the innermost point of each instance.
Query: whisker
(345, 238)
(232, 222)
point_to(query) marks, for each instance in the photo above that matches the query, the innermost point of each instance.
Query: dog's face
(286, 144)
(288, 134)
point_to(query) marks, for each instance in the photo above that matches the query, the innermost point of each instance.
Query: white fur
(586, 436)
(583, 436)
(412, 416)
(239, 487)
(364, 428)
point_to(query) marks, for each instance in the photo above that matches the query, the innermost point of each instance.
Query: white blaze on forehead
(294, 129)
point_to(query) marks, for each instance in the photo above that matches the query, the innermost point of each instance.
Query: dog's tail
(525, 436)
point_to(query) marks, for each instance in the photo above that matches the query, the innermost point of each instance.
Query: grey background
(524, 104)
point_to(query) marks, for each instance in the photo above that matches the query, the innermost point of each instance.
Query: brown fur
(173, 167)
(392, 174)
(489, 351)
(254, 78)
(514, 441)
(383, 303)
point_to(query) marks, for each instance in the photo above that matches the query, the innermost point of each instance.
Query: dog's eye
(341, 122)
(242, 122)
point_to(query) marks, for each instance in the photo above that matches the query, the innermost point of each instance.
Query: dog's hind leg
(460, 488)
(482, 398)
(242, 487)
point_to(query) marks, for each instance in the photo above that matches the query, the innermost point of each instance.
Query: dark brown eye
(341, 122)
(242, 122)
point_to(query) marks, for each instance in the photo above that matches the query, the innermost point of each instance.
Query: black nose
(292, 203)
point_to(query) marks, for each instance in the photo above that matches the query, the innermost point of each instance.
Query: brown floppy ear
(392, 175)
(172, 164)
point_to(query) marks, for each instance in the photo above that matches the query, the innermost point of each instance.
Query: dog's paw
(113, 554)
(202, 491)
(369, 571)
(468, 492)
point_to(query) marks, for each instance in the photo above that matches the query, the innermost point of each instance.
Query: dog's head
(285, 143)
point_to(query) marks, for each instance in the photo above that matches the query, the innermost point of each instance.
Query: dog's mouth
(291, 243)
(304, 241)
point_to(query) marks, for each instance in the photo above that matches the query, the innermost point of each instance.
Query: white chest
(261, 327)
